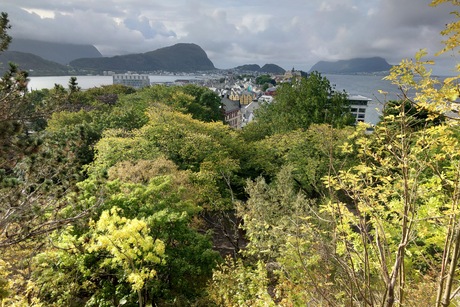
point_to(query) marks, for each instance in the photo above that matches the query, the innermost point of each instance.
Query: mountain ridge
(267, 68)
(352, 66)
(181, 57)
(62, 53)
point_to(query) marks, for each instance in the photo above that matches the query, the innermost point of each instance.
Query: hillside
(247, 67)
(267, 68)
(272, 69)
(178, 58)
(34, 64)
(352, 66)
(61, 53)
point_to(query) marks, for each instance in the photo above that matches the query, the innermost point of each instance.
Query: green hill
(177, 58)
(272, 69)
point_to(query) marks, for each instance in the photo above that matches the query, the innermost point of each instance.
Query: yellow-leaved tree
(397, 226)
(129, 246)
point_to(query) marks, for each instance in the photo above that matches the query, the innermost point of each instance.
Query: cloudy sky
(290, 33)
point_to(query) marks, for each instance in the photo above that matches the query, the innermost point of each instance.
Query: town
(242, 92)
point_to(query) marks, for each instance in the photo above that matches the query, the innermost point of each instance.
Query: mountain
(248, 67)
(272, 69)
(177, 58)
(267, 68)
(352, 66)
(61, 53)
(32, 63)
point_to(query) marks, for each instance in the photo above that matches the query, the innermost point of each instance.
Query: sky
(289, 33)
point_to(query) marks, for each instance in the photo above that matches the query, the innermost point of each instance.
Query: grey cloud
(143, 25)
(235, 32)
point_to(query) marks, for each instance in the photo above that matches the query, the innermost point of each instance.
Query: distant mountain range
(177, 58)
(352, 66)
(61, 53)
(45, 58)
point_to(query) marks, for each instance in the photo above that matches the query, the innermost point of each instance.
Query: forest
(113, 196)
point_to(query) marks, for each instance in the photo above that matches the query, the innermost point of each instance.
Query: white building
(358, 106)
(133, 80)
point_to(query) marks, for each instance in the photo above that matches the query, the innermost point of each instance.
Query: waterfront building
(133, 80)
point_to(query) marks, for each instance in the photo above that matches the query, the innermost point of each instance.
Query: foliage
(31, 186)
(5, 39)
(308, 100)
(263, 79)
(418, 116)
(209, 150)
(235, 284)
(130, 247)
(452, 30)
(110, 258)
(291, 238)
(108, 201)
(312, 153)
(200, 102)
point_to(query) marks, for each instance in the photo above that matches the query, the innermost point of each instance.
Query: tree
(265, 79)
(420, 117)
(13, 107)
(399, 223)
(312, 154)
(129, 246)
(5, 39)
(198, 101)
(308, 100)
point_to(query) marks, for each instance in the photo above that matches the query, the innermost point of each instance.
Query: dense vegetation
(117, 197)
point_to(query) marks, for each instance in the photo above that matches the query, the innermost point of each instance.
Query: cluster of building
(240, 97)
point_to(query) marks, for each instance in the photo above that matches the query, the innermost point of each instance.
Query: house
(265, 98)
(234, 94)
(247, 113)
(247, 97)
(271, 91)
(232, 112)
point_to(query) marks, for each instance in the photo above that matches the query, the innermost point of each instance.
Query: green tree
(266, 81)
(308, 100)
(388, 198)
(198, 101)
(312, 154)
